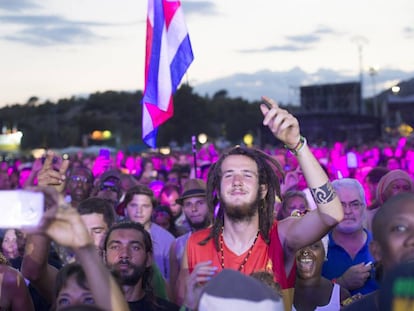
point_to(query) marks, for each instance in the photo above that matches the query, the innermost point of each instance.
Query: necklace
(245, 258)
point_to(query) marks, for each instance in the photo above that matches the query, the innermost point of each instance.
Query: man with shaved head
(392, 244)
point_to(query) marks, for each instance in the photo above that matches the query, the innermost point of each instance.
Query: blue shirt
(339, 261)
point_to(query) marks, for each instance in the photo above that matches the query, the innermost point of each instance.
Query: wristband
(302, 142)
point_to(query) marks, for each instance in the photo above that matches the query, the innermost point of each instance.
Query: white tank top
(334, 303)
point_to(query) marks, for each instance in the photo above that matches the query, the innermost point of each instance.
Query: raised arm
(30, 181)
(68, 229)
(14, 292)
(296, 233)
(35, 265)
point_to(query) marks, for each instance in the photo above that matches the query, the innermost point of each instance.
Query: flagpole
(194, 145)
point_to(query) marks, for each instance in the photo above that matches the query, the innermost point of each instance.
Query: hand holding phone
(103, 162)
(21, 208)
(105, 153)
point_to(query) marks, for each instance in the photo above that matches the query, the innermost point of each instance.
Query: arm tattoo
(323, 194)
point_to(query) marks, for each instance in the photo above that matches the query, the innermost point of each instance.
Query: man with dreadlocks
(244, 236)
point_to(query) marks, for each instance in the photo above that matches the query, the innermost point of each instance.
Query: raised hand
(65, 226)
(48, 176)
(281, 123)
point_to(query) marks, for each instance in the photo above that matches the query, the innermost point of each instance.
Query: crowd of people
(294, 228)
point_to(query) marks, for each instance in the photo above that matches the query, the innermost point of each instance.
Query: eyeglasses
(82, 179)
(354, 205)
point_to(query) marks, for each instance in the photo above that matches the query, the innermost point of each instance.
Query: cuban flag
(168, 56)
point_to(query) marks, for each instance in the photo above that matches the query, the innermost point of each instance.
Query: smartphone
(21, 208)
(351, 160)
(105, 153)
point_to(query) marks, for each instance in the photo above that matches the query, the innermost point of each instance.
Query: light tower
(360, 41)
(373, 72)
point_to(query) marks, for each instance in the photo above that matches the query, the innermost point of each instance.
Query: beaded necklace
(245, 258)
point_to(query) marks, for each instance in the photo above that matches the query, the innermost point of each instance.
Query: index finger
(269, 103)
(266, 102)
(48, 160)
(64, 167)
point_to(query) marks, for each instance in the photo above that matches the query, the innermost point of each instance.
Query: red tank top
(276, 254)
(258, 260)
(262, 258)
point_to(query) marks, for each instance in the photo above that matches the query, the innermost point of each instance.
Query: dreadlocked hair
(270, 174)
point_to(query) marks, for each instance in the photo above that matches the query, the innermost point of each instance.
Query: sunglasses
(109, 188)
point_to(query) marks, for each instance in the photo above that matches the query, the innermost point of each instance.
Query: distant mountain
(284, 86)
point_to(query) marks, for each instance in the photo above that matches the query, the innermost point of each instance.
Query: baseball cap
(110, 180)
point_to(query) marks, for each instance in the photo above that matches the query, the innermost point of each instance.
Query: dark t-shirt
(368, 302)
(145, 305)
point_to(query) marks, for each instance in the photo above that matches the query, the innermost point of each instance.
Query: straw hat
(192, 188)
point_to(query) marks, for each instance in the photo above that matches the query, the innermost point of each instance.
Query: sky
(56, 49)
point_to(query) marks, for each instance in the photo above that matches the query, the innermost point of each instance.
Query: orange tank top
(258, 259)
(263, 257)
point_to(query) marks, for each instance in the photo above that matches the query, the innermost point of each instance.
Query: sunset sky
(61, 48)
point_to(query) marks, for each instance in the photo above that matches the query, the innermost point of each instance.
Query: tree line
(68, 122)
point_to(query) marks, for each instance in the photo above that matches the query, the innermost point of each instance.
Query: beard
(241, 212)
(199, 225)
(128, 277)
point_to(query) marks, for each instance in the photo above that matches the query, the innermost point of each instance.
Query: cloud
(199, 8)
(296, 43)
(284, 86)
(17, 5)
(47, 30)
(409, 32)
(276, 48)
(306, 39)
(35, 20)
(325, 30)
(312, 37)
(46, 36)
